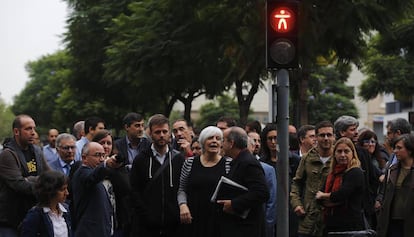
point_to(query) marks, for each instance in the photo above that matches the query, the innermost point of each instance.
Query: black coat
(247, 171)
(154, 197)
(347, 214)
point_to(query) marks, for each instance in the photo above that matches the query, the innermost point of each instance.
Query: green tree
(329, 97)
(48, 80)
(338, 30)
(212, 111)
(6, 119)
(171, 55)
(388, 64)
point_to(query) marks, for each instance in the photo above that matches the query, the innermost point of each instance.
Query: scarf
(334, 179)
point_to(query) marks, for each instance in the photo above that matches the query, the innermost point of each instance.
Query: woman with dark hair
(369, 141)
(343, 191)
(396, 217)
(269, 149)
(269, 155)
(50, 217)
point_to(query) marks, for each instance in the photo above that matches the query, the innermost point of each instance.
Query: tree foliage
(145, 55)
(42, 93)
(6, 119)
(388, 64)
(329, 97)
(212, 111)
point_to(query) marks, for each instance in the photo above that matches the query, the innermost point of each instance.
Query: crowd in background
(159, 179)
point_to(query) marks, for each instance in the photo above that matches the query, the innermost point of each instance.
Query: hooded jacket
(154, 191)
(16, 184)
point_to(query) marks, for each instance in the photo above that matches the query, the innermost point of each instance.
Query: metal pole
(282, 165)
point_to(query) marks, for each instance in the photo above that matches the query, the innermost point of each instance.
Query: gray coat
(16, 184)
(386, 197)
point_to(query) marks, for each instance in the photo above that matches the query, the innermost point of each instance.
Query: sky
(29, 29)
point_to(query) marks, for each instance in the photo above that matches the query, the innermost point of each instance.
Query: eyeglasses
(67, 148)
(272, 138)
(371, 141)
(98, 154)
(323, 135)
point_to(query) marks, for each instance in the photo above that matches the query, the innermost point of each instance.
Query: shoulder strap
(160, 170)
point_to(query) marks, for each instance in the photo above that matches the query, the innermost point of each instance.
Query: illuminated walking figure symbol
(282, 16)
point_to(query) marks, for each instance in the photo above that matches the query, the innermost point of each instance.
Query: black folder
(227, 189)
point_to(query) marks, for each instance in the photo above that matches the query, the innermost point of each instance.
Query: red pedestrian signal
(282, 20)
(282, 32)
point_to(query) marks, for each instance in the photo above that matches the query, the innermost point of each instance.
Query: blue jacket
(38, 223)
(91, 205)
(270, 205)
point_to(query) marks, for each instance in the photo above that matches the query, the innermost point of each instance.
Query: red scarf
(334, 180)
(333, 183)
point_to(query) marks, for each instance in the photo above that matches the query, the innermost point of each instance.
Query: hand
(185, 215)
(299, 211)
(381, 178)
(227, 208)
(320, 195)
(184, 145)
(377, 205)
(111, 162)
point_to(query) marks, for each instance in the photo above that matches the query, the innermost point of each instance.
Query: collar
(60, 206)
(62, 163)
(156, 153)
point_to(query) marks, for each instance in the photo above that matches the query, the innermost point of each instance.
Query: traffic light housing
(281, 34)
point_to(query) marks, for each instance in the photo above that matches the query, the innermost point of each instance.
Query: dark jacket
(122, 146)
(247, 171)
(154, 196)
(347, 215)
(16, 184)
(38, 223)
(91, 205)
(387, 196)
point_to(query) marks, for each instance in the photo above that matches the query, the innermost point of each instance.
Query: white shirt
(60, 229)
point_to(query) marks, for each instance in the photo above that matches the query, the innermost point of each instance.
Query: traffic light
(281, 34)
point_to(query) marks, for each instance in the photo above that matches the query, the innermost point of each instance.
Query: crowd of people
(168, 179)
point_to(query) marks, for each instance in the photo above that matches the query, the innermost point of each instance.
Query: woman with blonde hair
(343, 191)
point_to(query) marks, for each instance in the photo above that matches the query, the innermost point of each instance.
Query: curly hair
(48, 184)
